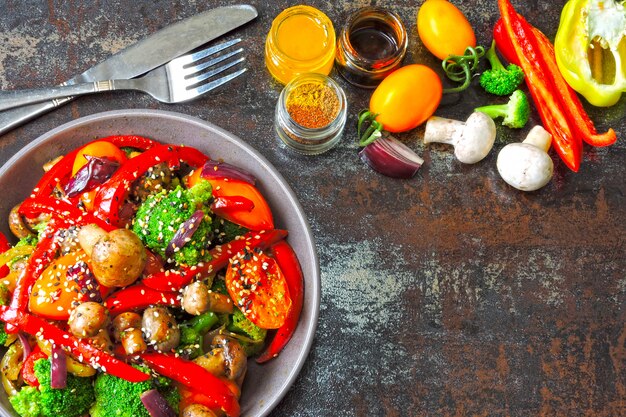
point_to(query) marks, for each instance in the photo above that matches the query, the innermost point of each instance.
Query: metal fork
(181, 79)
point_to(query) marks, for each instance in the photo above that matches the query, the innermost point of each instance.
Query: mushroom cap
(524, 166)
(476, 139)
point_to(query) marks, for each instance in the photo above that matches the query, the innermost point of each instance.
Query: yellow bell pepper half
(590, 48)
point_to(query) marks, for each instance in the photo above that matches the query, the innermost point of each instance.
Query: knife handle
(13, 118)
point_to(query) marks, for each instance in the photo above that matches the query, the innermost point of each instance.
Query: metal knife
(145, 55)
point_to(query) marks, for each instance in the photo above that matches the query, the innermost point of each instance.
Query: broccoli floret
(116, 397)
(240, 324)
(192, 333)
(500, 80)
(26, 402)
(160, 216)
(72, 401)
(225, 231)
(515, 113)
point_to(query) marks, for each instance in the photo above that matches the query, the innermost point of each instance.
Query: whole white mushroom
(472, 139)
(527, 165)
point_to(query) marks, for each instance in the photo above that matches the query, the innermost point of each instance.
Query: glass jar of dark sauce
(370, 46)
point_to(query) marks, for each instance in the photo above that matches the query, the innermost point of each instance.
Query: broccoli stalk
(72, 401)
(192, 333)
(161, 215)
(515, 113)
(499, 80)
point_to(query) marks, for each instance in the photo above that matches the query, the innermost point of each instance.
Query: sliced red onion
(217, 169)
(184, 233)
(25, 345)
(95, 172)
(390, 157)
(156, 404)
(82, 275)
(58, 368)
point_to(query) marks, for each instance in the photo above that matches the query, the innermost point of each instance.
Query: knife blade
(145, 55)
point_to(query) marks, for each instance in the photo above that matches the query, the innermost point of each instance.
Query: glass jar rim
(356, 17)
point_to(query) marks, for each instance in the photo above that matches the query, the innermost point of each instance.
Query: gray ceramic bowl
(265, 385)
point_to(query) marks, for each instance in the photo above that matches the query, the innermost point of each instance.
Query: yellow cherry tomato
(443, 29)
(406, 98)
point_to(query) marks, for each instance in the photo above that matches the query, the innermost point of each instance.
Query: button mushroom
(527, 166)
(472, 139)
(117, 258)
(226, 358)
(160, 328)
(87, 319)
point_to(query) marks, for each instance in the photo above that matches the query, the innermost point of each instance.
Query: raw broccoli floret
(161, 215)
(515, 113)
(71, 401)
(500, 80)
(116, 397)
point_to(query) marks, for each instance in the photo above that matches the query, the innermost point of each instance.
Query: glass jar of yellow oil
(301, 40)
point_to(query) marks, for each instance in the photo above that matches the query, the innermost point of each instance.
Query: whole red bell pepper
(4, 246)
(581, 123)
(80, 349)
(195, 377)
(139, 296)
(175, 280)
(290, 266)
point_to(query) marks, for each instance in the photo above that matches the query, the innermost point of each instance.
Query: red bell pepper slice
(226, 205)
(28, 371)
(111, 195)
(290, 266)
(175, 280)
(43, 254)
(195, 377)
(61, 210)
(503, 43)
(139, 296)
(62, 170)
(541, 86)
(80, 349)
(581, 124)
(4, 246)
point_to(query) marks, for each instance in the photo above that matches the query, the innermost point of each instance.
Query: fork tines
(200, 66)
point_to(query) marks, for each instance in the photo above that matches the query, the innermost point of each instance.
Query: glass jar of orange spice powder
(311, 113)
(301, 39)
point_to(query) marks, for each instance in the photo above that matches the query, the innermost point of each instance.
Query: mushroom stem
(442, 130)
(539, 137)
(472, 139)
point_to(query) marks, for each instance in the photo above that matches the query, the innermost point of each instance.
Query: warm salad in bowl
(143, 278)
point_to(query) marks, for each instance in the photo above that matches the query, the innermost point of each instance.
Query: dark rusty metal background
(450, 294)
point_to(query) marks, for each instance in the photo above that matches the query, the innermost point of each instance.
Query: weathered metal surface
(450, 294)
